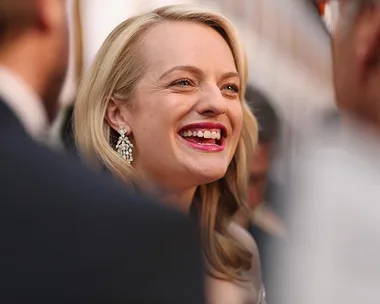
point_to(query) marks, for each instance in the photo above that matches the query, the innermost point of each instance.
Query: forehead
(187, 43)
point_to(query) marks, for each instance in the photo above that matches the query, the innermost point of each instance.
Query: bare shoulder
(243, 237)
(248, 291)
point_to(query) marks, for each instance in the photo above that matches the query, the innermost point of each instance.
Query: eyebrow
(196, 71)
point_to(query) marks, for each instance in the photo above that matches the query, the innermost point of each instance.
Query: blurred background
(312, 214)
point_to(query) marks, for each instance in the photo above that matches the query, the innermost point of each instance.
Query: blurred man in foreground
(334, 257)
(68, 236)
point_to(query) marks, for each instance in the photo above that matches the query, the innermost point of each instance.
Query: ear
(367, 38)
(116, 115)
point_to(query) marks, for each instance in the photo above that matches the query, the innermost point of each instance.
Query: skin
(39, 54)
(191, 78)
(356, 60)
(169, 97)
(258, 174)
(258, 181)
(265, 217)
(223, 292)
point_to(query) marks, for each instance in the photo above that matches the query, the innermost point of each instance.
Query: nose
(211, 102)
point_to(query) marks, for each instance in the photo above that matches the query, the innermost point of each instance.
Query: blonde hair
(117, 68)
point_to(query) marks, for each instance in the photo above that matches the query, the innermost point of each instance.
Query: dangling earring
(124, 146)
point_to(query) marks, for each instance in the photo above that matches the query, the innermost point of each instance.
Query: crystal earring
(124, 146)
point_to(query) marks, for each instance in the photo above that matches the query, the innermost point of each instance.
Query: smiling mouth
(209, 138)
(203, 136)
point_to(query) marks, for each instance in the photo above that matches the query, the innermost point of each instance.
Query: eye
(183, 83)
(233, 88)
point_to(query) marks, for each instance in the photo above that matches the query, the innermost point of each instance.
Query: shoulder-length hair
(118, 66)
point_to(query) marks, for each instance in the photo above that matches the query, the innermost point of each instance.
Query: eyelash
(233, 87)
(178, 82)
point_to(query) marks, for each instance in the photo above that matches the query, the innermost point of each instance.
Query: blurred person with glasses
(335, 215)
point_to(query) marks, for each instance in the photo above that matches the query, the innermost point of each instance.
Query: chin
(204, 166)
(208, 173)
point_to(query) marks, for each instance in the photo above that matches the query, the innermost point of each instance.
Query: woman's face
(185, 115)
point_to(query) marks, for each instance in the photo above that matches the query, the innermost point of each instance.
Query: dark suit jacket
(70, 236)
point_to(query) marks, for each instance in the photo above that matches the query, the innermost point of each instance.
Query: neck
(174, 195)
(180, 200)
(373, 124)
(19, 56)
(368, 124)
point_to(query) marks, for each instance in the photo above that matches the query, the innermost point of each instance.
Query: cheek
(236, 117)
(150, 131)
(154, 124)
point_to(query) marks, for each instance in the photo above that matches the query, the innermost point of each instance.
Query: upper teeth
(214, 134)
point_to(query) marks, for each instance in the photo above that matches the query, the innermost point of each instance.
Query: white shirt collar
(24, 103)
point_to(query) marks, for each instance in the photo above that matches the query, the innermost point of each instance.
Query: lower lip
(204, 147)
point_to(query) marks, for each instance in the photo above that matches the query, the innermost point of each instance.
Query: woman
(163, 104)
